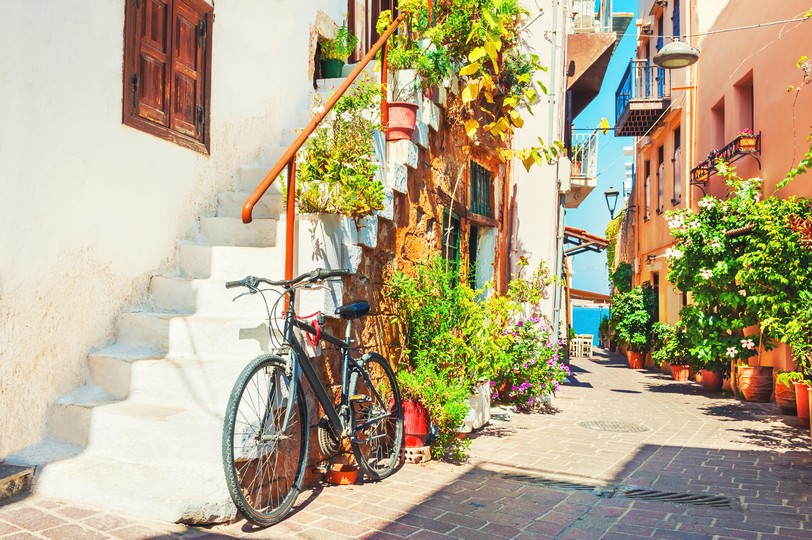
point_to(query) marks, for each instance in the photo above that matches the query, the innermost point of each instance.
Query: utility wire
(749, 27)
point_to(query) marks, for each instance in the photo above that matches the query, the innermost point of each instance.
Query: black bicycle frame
(300, 363)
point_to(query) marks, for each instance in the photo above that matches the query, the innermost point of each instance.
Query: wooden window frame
(130, 108)
(478, 173)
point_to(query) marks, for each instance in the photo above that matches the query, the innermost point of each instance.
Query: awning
(583, 241)
(589, 296)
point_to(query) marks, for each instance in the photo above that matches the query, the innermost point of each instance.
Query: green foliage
(453, 337)
(603, 328)
(336, 170)
(788, 377)
(339, 47)
(621, 278)
(632, 317)
(669, 344)
(612, 229)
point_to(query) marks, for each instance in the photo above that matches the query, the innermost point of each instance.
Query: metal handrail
(288, 159)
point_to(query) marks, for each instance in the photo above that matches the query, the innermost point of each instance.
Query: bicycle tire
(262, 477)
(376, 446)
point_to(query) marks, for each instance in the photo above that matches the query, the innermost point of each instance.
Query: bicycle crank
(328, 440)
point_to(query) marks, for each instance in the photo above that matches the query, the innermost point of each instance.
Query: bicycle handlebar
(318, 274)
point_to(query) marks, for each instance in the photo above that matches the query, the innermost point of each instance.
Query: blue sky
(590, 268)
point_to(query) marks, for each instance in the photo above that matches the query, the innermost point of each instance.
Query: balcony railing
(584, 155)
(641, 97)
(743, 145)
(585, 19)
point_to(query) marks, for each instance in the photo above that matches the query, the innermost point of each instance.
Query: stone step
(205, 296)
(194, 335)
(154, 378)
(132, 430)
(230, 263)
(223, 231)
(250, 176)
(189, 492)
(69, 417)
(230, 204)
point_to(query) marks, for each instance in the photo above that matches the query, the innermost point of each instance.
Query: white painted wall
(90, 208)
(535, 219)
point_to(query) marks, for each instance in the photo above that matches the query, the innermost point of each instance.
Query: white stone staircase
(143, 436)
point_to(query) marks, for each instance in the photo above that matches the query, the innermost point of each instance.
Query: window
(167, 69)
(675, 18)
(660, 180)
(655, 285)
(647, 188)
(744, 105)
(451, 237)
(480, 190)
(718, 124)
(677, 161)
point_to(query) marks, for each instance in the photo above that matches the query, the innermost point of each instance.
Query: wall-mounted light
(650, 258)
(661, 3)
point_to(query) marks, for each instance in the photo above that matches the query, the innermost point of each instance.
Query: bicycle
(266, 427)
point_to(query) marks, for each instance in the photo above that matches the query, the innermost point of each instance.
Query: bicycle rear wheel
(264, 465)
(377, 417)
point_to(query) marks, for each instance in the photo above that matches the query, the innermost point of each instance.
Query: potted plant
(604, 332)
(577, 158)
(785, 391)
(669, 347)
(335, 52)
(746, 140)
(632, 317)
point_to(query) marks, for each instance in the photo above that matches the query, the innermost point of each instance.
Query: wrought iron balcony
(745, 144)
(642, 97)
(584, 171)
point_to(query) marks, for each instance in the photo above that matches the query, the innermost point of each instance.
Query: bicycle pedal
(360, 397)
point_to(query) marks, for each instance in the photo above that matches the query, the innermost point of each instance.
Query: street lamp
(675, 55)
(611, 195)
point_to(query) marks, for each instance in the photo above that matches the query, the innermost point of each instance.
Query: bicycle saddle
(353, 310)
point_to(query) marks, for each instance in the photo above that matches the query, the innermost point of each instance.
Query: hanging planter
(402, 120)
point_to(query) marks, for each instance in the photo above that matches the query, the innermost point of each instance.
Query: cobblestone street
(587, 469)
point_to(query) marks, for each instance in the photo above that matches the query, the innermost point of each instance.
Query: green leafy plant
(604, 331)
(632, 318)
(621, 277)
(336, 171)
(788, 377)
(669, 344)
(341, 46)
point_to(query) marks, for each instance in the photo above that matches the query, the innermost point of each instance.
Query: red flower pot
(635, 359)
(402, 120)
(415, 424)
(712, 381)
(680, 372)
(802, 402)
(755, 383)
(785, 398)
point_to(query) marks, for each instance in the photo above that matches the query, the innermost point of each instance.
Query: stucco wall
(89, 208)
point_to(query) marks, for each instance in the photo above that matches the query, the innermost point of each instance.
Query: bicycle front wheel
(264, 463)
(377, 417)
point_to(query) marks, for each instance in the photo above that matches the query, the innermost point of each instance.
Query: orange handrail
(288, 159)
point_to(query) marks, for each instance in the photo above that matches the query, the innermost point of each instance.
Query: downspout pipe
(552, 134)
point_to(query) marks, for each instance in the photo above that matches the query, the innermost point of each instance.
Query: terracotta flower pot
(802, 402)
(680, 372)
(712, 381)
(635, 359)
(415, 424)
(785, 398)
(755, 383)
(342, 474)
(402, 120)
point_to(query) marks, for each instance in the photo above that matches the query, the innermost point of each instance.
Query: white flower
(715, 244)
(706, 202)
(748, 344)
(742, 292)
(676, 222)
(673, 253)
(706, 273)
(694, 224)
(732, 352)
(317, 110)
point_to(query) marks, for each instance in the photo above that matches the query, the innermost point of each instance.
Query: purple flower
(520, 323)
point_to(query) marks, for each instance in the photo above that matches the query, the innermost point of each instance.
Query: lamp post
(611, 195)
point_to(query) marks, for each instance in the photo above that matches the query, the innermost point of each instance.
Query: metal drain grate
(615, 427)
(549, 482)
(714, 501)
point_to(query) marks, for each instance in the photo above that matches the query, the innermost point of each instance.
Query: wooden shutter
(149, 75)
(188, 67)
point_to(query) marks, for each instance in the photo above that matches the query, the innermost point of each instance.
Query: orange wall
(764, 57)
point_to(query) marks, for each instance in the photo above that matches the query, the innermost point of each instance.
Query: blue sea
(585, 320)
